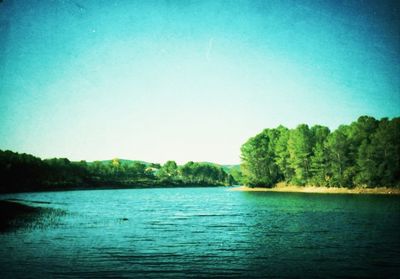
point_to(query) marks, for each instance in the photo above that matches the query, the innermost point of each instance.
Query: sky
(188, 80)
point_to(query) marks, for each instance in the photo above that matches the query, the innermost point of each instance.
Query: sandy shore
(321, 190)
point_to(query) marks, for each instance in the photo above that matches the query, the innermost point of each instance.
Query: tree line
(24, 172)
(365, 153)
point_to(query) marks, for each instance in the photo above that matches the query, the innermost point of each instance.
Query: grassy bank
(281, 187)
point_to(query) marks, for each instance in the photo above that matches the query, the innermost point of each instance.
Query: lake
(205, 232)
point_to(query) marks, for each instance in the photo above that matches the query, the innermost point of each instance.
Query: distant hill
(123, 161)
(233, 170)
(227, 167)
(126, 161)
(230, 167)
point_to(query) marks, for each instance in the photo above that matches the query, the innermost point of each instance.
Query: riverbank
(320, 190)
(15, 214)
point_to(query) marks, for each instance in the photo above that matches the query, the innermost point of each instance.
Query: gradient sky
(188, 80)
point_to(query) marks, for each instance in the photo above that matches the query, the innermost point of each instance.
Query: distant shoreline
(320, 190)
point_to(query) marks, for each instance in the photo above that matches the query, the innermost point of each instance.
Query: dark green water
(205, 232)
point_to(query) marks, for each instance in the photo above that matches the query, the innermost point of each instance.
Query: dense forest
(24, 172)
(365, 153)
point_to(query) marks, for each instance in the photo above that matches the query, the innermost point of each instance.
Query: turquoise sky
(188, 80)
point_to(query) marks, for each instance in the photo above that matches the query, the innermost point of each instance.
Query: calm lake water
(205, 232)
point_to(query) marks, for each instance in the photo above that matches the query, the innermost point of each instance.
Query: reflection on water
(203, 232)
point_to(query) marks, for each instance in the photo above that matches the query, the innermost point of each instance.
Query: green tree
(338, 146)
(136, 169)
(168, 171)
(282, 156)
(378, 157)
(300, 146)
(237, 175)
(258, 159)
(363, 153)
(319, 159)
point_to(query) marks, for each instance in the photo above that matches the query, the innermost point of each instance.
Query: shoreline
(320, 190)
(48, 190)
(16, 214)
